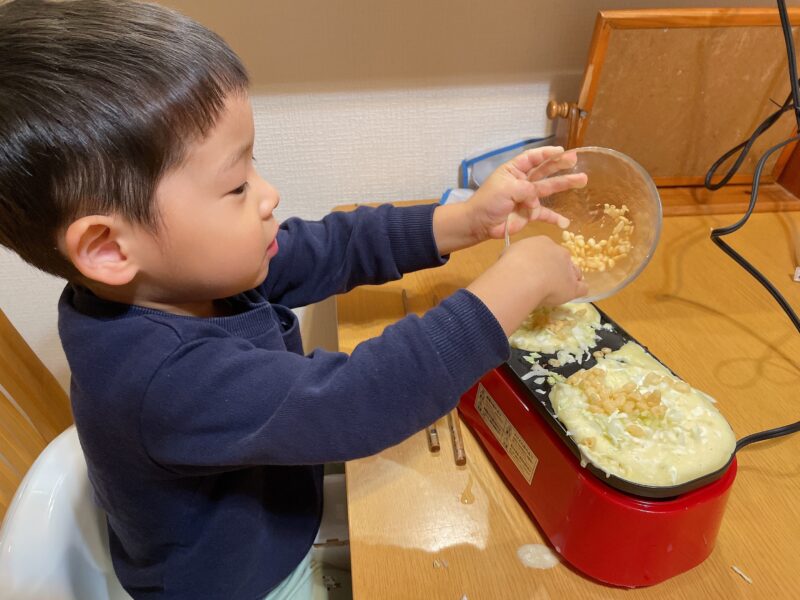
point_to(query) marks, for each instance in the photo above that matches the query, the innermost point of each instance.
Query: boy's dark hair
(98, 99)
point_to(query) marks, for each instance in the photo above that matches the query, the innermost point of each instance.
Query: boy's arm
(224, 403)
(369, 245)
(221, 402)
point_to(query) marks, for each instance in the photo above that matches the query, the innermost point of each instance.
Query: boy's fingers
(516, 222)
(546, 215)
(529, 208)
(553, 185)
(555, 164)
(534, 157)
(531, 192)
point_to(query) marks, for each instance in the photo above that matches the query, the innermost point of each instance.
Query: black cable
(744, 147)
(769, 434)
(789, 40)
(717, 233)
(716, 238)
(792, 101)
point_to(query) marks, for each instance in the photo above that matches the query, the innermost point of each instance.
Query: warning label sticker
(505, 433)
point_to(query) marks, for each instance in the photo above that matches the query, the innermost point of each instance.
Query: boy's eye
(239, 190)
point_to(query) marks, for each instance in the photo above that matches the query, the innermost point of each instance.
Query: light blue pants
(313, 580)
(324, 574)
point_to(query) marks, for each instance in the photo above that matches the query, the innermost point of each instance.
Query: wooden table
(420, 527)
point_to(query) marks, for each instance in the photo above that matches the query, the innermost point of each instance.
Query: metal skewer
(454, 423)
(433, 438)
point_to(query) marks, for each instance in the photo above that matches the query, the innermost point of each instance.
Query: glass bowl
(616, 180)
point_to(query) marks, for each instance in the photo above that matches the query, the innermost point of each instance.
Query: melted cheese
(690, 440)
(568, 331)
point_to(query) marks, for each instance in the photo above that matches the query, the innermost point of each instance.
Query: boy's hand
(530, 273)
(515, 188)
(512, 191)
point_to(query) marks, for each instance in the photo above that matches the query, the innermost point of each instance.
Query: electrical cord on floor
(793, 102)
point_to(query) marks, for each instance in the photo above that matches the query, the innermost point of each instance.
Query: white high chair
(53, 543)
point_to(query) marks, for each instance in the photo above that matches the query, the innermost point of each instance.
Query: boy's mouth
(272, 249)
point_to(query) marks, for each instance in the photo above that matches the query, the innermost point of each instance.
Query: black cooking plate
(540, 401)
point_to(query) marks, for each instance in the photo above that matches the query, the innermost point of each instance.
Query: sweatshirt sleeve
(220, 403)
(317, 259)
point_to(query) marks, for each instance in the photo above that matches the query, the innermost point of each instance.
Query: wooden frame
(579, 114)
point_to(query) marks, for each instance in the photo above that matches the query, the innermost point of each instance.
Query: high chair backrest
(34, 409)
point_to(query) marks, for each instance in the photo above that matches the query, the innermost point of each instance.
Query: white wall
(364, 100)
(326, 148)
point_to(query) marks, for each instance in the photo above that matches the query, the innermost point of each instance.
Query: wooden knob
(557, 109)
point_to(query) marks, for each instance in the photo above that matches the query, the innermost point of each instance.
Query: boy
(126, 138)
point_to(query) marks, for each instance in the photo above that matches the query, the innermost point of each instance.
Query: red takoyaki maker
(610, 529)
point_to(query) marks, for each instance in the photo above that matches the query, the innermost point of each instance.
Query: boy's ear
(99, 246)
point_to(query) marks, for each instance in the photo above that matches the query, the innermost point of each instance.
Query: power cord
(792, 102)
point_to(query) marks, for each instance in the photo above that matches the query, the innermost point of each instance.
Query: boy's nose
(268, 203)
(269, 199)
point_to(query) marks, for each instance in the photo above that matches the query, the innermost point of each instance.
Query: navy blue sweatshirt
(204, 436)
